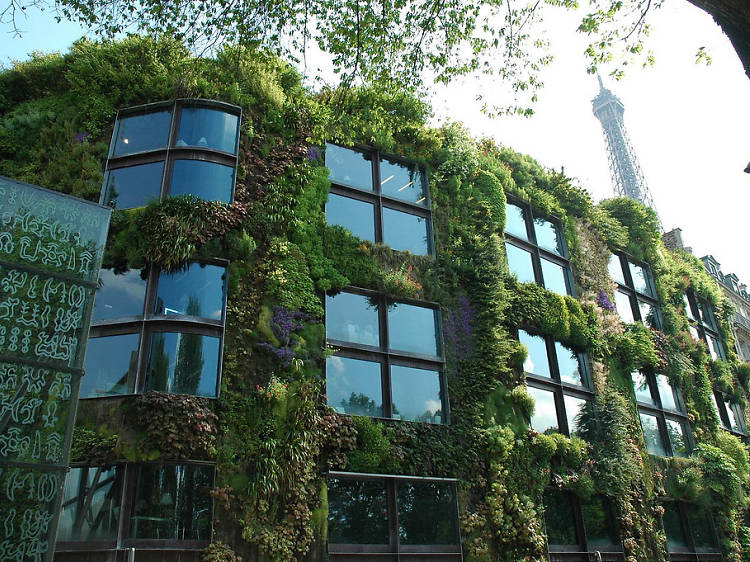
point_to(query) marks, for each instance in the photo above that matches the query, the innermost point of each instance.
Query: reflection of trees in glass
(357, 512)
(90, 507)
(189, 365)
(361, 405)
(427, 513)
(601, 528)
(158, 363)
(559, 518)
(677, 438)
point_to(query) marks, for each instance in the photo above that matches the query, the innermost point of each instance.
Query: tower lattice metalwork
(627, 177)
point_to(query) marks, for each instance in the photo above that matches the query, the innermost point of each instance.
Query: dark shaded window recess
(730, 414)
(142, 506)
(703, 326)
(691, 534)
(536, 249)
(392, 518)
(580, 530)
(157, 330)
(379, 198)
(559, 380)
(635, 297)
(389, 362)
(181, 147)
(661, 409)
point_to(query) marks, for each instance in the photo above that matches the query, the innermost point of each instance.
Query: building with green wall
(328, 331)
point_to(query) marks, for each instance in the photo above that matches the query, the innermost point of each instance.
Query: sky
(689, 123)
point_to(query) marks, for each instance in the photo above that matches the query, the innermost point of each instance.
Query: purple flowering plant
(284, 324)
(603, 301)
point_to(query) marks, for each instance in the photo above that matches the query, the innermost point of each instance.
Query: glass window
(349, 167)
(622, 304)
(560, 518)
(701, 525)
(120, 294)
(91, 504)
(416, 394)
(641, 388)
(401, 181)
(548, 236)
(208, 128)
(640, 279)
(648, 315)
(110, 366)
(358, 217)
(707, 317)
(183, 363)
(677, 438)
(354, 386)
(673, 527)
(573, 409)
(598, 520)
(714, 348)
(427, 513)
(652, 436)
(615, 269)
(357, 511)
(537, 361)
(172, 502)
(412, 328)
(694, 333)
(519, 263)
(544, 419)
(569, 363)
(405, 232)
(139, 133)
(353, 318)
(554, 277)
(515, 221)
(134, 186)
(666, 393)
(207, 180)
(197, 290)
(688, 308)
(732, 417)
(716, 409)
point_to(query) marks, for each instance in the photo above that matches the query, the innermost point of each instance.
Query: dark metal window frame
(381, 201)
(387, 357)
(691, 553)
(394, 547)
(698, 304)
(170, 153)
(537, 253)
(635, 296)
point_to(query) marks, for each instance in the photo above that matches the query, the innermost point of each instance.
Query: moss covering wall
(271, 434)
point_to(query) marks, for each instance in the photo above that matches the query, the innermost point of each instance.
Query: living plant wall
(270, 432)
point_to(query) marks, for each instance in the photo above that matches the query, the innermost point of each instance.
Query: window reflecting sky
(207, 180)
(641, 388)
(404, 231)
(183, 363)
(401, 181)
(573, 407)
(622, 304)
(349, 167)
(139, 133)
(537, 361)
(120, 294)
(358, 217)
(615, 269)
(416, 394)
(554, 277)
(640, 281)
(654, 443)
(569, 364)
(208, 128)
(548, 236)
(134, 186)
(544, 419)
(412, 328)
(354, 386)
(666, 393)
(352, 318)
(515, 221)
(195, 291)
(110, 366)
(519, 263)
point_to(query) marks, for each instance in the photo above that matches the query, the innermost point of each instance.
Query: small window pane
(544, 419)
(666, 393)
(427, 513)
(354, 386)
(412, 328)
(554, 277)
(91, 504)
(358, 217)
(537, 361)
(569, 363)
(357, 511)
(139, 133)
(208, 128)
(560, 518)
(198, 290)
(207, 180)
(349, 167)
(111, 363)
(654, 443)
(673, 527)
(714, 348)
(615, 269)
(183, 363)
(688, 308)
(640, 279)
(600, 525)
(622, 304)
(120, 294)
(641, 388)
(515, 221)
(677, 438)
(352, 318)
(716, 409)
(706, 313)
(548, 236)
(573, 408)
(733, 421)
(702, 528)
(416, 394)
(401, 181)
(648, 314)
(172, 502)
(134, 186)
(405, 232)
(519, 263)
(694, 333)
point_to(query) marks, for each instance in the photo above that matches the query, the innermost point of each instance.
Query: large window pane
(519, 263)
(358, 217)
(349, 167)
(207, 180)
(416, 394)
(111, 363)
(354, 386)
(673, 527)
(120, 294)
(704, 536)
(352, 318)
(208, 128)
(615, 269)
(677, 438)
(412, 328)
(537, 361)
(357, 511)
(640, 279)
(401, 181)
(183, 363)
(134, 186)
(569, 363)
(560, 518)
(554, 277)
(544, 419)
(706, 313)
(733, 421)
(688, 308)
(666, 393)
(622, 305)
(651, 434)
(427, 513)
(172, 502)
(515, 221)
(573, 408)
(139, 133)
(548, 236)
(91, 504)
(714, 348)
(641, 388)
(405, 232)
(648, 314)
(198, 290)
(601, 529)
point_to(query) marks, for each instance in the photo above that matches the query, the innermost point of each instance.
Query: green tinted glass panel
(352, 318)
(183, 363)
(598, 520)
(354, 386)
(357, 511)
(111, 363)
(673, 527)
(91, 504)
(427, 513)
(559, 518)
